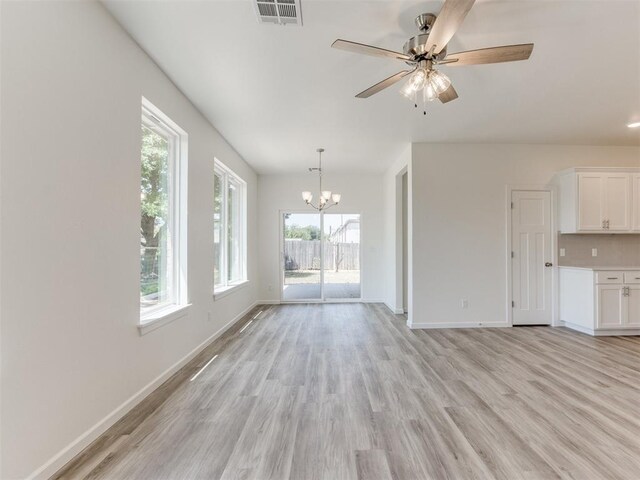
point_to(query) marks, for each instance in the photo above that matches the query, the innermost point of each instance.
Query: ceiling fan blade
(507, 53)
(387, 82)
(368, 50)
(449, 20)
(448, 95)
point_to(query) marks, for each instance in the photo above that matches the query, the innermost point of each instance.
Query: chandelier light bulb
(306, 196)
(326, 194)
(336, 197)
(439, 81)
(429, 93)
(408, 91)
(418, 79)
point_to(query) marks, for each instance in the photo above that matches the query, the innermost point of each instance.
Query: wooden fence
(305, 255)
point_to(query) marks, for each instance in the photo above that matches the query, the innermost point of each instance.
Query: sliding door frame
(322, 298)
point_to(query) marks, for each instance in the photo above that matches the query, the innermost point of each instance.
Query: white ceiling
(277, 93)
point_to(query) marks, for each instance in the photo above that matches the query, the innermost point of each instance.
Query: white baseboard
(415, 326)
(331, 300)
(397, 311)
(601, 333)
(84, 440)
(576, 327)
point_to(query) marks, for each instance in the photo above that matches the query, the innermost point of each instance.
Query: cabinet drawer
(632, 277)
(610, 277)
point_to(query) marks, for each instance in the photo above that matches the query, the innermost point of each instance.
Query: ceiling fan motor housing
(416, 46)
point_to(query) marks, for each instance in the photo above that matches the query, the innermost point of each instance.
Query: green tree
(310, 232)
(155, 203)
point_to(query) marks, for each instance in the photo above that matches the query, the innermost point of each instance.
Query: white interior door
(531, 257)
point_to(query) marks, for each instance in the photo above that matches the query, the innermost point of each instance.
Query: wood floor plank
(347, 391)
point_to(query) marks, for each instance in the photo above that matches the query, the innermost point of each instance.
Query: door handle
(548, 264)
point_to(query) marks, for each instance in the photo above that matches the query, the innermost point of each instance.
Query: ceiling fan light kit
(428, 49)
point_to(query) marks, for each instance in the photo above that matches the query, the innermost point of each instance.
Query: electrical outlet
(208, 316)
(594, 252)
(464, 303)
(270, 288)
(562, 252)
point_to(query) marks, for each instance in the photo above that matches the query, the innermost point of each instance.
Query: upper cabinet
(635, 206)
(598, 200)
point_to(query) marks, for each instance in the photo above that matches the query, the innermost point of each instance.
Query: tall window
(162, 219)
(229, 217)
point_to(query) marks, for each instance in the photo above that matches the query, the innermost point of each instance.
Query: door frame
(322, 298)
(554, 248)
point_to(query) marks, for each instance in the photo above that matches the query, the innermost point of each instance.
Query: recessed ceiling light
(633, 125)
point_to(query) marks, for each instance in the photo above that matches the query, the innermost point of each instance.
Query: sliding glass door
(302, 273)
(320, 257)
(341, 256)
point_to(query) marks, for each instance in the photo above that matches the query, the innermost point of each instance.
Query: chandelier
(327, 199)
(426, 83)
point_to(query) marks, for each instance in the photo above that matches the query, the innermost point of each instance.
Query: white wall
(360, 194)
(392, 204)
(459, 221)
(72, 82)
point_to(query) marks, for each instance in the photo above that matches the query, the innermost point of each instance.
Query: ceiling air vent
(280, 12)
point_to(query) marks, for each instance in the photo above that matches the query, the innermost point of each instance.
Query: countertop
(599, 269)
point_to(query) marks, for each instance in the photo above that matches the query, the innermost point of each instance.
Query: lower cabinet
(600, 302)
(633, 306)
(610, 306)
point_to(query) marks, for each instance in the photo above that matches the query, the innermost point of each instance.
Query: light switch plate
(562, 252)
(594, 252)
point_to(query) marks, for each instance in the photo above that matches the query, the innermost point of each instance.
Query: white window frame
(225, 287)
(156, 120)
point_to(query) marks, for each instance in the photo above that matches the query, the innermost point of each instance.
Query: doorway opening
(405, 243)
(320, 257)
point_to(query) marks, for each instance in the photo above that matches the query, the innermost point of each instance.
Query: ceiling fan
(428, 49)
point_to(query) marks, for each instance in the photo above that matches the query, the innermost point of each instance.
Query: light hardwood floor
(347, 391)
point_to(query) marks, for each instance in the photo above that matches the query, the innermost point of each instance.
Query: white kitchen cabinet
(599, 200)
(617, 202)
(610, 306)
(635, 203)
(590, 201)
(600, 302)
(633, 306)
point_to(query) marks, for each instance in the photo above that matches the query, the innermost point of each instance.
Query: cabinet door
(617, 209)
(590, 201)
(610, 306)
(633, 306)
(635, 207)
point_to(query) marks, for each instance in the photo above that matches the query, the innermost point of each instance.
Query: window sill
(153, 320)
(224, 291)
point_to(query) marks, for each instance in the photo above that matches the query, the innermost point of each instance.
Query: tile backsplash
(621, 250)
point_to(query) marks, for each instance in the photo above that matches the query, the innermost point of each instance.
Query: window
(162, 218)
(229, 223)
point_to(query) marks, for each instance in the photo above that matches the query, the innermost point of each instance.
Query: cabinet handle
(612, 278)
